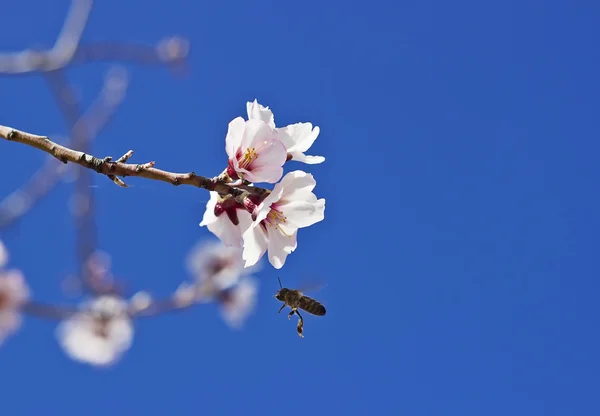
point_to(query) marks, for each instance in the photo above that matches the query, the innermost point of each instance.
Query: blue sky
(461, 229)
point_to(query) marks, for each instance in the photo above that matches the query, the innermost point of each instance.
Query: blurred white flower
(255, 151)
(226, 219)
(290, 206)
(100, 333)
(215, 266)
(140, 301)
(297, 138)
(13, 294)
(238, 302)
(3, 255)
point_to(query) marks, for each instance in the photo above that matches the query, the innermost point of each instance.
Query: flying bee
(296, 300)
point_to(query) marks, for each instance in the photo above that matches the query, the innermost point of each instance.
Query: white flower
(226, 219)
(13, 293)
(291, 205)
(238, 302)
(297, 138)
(255, 151)
(100, 333)
(215, 267)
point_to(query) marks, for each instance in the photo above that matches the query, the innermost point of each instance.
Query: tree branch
(107, 167)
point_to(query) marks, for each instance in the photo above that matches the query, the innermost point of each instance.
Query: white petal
(209, 214)
(267, 174)
(309, 160)
(303, 213)
(298, 186)
(298, 137)
(226, 231)
(258, 112)
(280, 246)
(221, 226)
(255, 244)
(235, 135)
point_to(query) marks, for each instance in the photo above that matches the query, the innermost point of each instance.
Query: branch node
(176, 181)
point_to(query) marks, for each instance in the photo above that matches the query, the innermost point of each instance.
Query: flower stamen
(275, 218)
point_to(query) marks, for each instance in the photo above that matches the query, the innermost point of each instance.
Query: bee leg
(292, 313)
(280, 309)
(300, 327)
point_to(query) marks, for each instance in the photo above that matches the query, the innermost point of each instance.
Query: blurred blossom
(216, 267)
(238, 302)
(290, 206)
(3, 255)
(140, 301)
(13, 294)
(99, 334)
(297, 138)
(226, 219)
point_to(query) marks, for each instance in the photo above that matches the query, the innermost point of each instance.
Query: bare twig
(106, 166)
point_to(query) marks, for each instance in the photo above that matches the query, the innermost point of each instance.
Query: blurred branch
(46, 311)
(62, 52)
(107, 167)
(18, 203)
(83, 127)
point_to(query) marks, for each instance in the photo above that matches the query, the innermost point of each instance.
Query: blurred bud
(140, 301)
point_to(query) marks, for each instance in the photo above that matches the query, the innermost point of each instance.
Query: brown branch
(107, 167)
(47, 311)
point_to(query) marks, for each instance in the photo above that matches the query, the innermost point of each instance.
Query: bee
(296, 300)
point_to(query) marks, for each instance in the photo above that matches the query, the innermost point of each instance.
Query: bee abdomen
(311, 306)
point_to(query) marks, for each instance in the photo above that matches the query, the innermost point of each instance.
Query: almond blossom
(238, 302)
(216, 267)
(255, 152)
(297, 138)
(226, 219)
(221, 276)
(290, 206)
(100, 333)
(13, 294)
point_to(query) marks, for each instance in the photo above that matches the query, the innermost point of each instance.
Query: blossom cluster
(257, 151)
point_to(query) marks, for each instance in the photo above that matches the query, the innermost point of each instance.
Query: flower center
(275, 218)
(249, 156)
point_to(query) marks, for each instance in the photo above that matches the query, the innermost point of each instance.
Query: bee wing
(312, 286)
